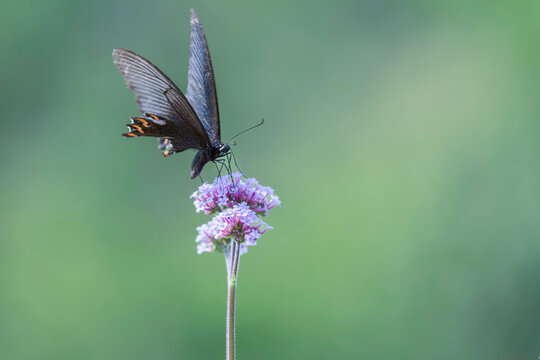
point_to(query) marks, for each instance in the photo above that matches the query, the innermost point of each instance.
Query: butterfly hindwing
(172, 137)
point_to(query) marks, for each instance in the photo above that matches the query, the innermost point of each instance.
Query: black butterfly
(180, 122)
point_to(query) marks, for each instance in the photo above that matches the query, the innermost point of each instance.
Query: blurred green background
(403, 140)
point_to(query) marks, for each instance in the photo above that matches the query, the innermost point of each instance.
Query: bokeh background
(402, 137)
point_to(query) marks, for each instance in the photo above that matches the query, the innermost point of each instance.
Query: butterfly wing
(201, 89)
(158, 95)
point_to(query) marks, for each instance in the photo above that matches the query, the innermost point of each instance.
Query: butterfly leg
(223, 163)
(236, 164)
(218, 168)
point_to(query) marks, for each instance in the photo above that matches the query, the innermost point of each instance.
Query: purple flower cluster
(237, 204)
(227, 191)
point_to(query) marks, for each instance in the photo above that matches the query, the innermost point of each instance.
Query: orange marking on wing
(153, 116)
(144, 122)
(130, 134)
(138, 128)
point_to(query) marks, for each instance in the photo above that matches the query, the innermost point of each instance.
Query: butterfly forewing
(158, 95)
(201, 89)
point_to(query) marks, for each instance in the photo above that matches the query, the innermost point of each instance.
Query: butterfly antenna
(253, 127)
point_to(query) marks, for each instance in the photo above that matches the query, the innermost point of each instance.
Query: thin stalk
(232, 260)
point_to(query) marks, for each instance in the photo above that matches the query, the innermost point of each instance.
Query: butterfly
(180, 122)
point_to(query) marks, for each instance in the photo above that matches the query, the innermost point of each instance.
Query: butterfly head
(224, 149)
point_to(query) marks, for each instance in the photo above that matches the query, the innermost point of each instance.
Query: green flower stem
(232, 260)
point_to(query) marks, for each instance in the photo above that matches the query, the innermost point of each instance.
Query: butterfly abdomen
(200, 159)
